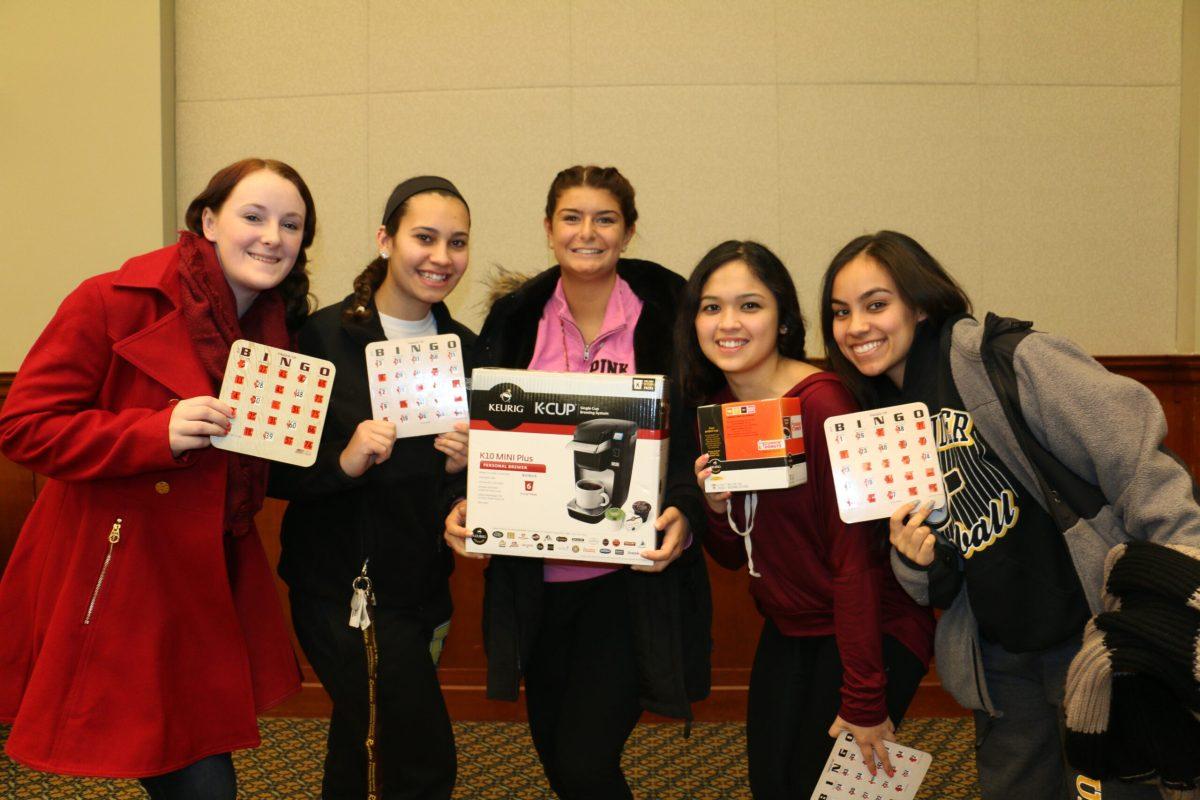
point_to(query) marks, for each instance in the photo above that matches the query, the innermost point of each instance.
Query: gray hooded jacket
(1105, 428)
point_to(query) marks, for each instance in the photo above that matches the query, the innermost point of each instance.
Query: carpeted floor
(496, 760)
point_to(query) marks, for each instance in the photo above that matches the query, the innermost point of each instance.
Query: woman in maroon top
(842, 646)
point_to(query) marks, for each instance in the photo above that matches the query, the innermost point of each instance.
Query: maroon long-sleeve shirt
(822, 576)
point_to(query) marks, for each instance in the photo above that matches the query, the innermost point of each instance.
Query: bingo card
(419, 384)
(280, 400)
(846, 776)
(883, 459)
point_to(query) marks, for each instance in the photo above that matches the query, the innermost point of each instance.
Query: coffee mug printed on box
(564, 465)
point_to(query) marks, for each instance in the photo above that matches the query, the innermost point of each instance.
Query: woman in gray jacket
(1016, 561)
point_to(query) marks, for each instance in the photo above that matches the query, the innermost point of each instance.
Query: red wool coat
(135, 638)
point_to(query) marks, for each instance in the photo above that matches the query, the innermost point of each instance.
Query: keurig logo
(479, 536)
(505, 405)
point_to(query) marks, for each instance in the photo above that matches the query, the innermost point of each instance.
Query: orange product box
(753, 445)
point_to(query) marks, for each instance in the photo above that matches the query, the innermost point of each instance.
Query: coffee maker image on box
(604, 450)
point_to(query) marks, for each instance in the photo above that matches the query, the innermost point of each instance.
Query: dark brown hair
(373, 274)
(608, 178)
(923, 284)
(698, 378)
(294, 287)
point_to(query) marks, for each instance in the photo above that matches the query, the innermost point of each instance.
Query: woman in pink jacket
(142, 631)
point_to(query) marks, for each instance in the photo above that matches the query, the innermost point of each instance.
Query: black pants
(209, 778)
(415, 743)
(581, 687)
(795, 694)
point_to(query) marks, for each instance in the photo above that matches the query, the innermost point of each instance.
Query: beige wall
(86, 153)
(1034, 147)
(1189, 183)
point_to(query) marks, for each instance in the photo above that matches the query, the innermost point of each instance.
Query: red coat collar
(157, 269)
(162, 349)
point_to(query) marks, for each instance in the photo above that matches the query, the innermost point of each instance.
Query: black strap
(1068, 497)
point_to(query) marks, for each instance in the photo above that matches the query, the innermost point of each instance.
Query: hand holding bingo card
(847, 777)
(419, 384)
(280, 400)
(883, 459)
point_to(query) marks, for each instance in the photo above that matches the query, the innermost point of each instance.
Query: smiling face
(872, 324)
(427, 256)
(257, 233)
(587, 232)
(737, 323)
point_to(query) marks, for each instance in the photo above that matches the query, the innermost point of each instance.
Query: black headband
(418, 185)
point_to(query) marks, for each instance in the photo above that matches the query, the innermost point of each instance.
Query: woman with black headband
(365, 520)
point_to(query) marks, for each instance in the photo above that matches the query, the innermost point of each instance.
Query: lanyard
(750, 509)
(360, 617)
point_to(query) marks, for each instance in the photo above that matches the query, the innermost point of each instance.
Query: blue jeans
(1019, 754)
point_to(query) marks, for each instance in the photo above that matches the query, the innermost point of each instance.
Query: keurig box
(566, 465)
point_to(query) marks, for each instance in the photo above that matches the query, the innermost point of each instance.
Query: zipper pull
(361, 600)
(114, 536)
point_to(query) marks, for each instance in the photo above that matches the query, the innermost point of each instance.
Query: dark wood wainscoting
(1175, 380)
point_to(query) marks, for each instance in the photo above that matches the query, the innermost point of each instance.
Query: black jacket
(393, 513)
(673, 609)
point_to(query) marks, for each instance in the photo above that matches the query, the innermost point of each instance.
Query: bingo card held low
(419, 384)
(280, 401)
(846, 776)
(883, 459)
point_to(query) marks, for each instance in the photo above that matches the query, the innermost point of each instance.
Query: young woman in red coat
(142, 631)
(842, 646)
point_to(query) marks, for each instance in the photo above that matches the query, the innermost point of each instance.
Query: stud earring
(783, 330)
(385, 255)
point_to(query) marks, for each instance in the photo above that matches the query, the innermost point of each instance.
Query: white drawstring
(750, 508)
